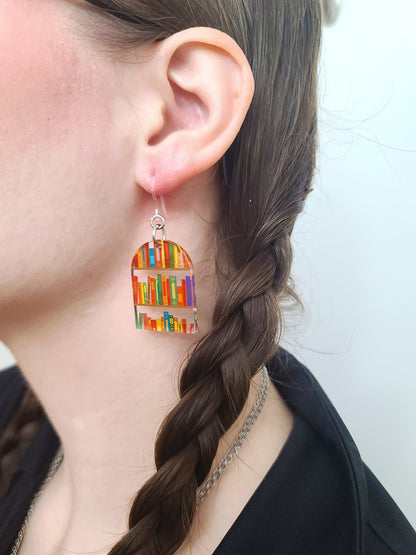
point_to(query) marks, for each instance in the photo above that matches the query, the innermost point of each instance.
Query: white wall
(355, 246)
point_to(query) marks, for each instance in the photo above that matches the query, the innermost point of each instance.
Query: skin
(83, 144)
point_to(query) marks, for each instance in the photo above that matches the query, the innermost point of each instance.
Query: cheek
(58, 146)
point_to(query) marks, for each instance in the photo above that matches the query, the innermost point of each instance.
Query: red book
(154, 327)
(183, 325)
(167, 260)
(135, 263)
(145, 327)
(168, 288)
(147, 255)
(184, 296)
(192, 329)
(164, 291)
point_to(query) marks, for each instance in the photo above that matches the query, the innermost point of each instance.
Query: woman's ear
(201, 87)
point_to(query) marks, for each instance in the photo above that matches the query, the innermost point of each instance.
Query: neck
(106, 388)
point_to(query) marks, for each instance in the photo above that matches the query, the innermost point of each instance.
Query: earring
(163, 284)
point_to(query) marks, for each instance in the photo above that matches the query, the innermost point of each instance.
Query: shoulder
(378, 526)
(387, 531)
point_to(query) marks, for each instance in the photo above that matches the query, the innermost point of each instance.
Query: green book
(173, 291)
(140, 326)
(145, 301)
(171, 323)
(160, 288)
(171, 256)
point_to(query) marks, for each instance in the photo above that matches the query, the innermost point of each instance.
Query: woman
(203, 113)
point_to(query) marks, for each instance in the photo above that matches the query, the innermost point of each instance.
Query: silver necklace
(203, 489)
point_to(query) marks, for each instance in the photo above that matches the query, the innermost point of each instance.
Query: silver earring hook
(157, 221)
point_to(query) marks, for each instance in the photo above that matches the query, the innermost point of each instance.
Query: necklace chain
(203, 490)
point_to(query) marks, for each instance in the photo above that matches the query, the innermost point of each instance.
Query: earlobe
(205, 87)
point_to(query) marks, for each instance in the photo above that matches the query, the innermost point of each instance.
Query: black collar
(304, 395)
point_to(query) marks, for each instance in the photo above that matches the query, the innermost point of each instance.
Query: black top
(318, 498)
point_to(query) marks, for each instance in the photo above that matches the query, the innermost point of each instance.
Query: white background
(355, 245)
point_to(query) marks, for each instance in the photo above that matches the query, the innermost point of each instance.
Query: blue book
(166, 317)
(188, 291)
(152, 257)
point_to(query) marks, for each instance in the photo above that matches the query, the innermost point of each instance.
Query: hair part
(267, 176)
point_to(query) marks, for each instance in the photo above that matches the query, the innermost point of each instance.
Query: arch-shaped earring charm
(163, 286)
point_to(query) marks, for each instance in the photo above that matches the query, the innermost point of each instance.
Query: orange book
(149, 323)
(135, 261)
(140, 259)
(144, 316)
(134, 282)
(164, 291)
(153, 289)
(162, 253)
(141, 296)
(175, 324)
(180, 295)
(183, 325)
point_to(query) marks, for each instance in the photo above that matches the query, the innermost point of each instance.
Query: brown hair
(267, 175)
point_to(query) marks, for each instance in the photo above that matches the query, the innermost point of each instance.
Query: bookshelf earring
(163, 285)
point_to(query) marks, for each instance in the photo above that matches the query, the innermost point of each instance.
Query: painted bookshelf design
(164, 288)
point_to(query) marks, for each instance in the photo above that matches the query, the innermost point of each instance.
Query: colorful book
(184, 325)
(180, 295)
(147, 258)
(193, 290)
(164, 291)
(168, 291)
(153, 290)
(167, 258)
(188, 291)
(173, 291)
(152, 257)
(134, 283)
(171, 323)
(184, 297)
(175, 255)
(166, 318)
(171, 255)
